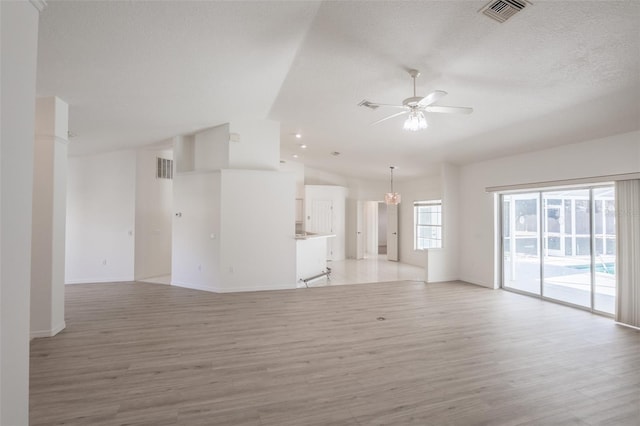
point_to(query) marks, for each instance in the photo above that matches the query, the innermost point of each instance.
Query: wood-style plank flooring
(404, 353)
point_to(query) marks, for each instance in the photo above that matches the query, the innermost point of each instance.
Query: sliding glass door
(567, 247)
(521, 242)
(560, 245)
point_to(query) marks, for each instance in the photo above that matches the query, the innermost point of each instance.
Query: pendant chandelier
(392, 198)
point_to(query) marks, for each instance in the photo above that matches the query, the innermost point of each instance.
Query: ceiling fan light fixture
(416, 121)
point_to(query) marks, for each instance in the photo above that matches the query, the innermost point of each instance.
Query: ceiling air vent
(501, 10)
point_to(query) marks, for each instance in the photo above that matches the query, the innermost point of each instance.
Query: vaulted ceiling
(137, 73)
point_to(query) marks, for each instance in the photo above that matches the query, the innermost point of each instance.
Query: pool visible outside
(607, 268)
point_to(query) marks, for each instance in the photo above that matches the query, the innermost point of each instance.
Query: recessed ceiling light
(298, 135)
(303, 146)
(295, 155)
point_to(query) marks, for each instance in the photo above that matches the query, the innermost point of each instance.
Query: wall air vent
(501, 10)
(164, 168)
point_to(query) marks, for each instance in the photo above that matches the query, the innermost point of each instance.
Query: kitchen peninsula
(311, 256)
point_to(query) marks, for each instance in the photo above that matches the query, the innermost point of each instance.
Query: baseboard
(99, 280)
(48, 333)
(230, 290)
(246, 289)
(195, 287)
(480, 284)
(633, 327)
(152, 282)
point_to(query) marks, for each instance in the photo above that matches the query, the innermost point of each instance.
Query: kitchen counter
(311, 235)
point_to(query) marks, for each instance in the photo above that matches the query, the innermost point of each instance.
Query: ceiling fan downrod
(414, 74)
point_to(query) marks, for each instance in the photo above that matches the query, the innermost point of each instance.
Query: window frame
(417, 225)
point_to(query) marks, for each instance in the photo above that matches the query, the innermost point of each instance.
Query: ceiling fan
(416, 106)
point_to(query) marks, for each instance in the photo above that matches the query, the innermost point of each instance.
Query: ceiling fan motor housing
(412, 101)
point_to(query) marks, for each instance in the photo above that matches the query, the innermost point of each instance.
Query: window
(427, 216)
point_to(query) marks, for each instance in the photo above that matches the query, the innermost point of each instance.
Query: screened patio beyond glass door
(566, 238)
(560, 245)
(520, 242)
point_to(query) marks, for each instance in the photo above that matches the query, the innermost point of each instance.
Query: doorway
(376, 226)
(382, 228)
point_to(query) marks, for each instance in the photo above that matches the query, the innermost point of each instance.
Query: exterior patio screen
(560, 245)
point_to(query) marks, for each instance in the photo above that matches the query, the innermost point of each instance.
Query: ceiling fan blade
(391, 116)
(432, 97)
(392, 106)
(449, 109)
(375, 105)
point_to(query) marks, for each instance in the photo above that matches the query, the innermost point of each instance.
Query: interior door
(360, 242)
(392, 233)
(321, 221)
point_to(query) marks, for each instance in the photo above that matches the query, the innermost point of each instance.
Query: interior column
(19, 40)
(49, 216)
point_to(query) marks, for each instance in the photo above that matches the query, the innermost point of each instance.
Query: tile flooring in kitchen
(375, 268)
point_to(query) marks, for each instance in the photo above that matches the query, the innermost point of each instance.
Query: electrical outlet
(104, 262)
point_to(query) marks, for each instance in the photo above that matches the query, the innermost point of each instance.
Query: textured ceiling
(138, 73)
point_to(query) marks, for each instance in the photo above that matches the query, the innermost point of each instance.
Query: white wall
(211, 148)
(237, 227)
(367, 190)
(613, 155)
(298, 169)
(184, 153)
(19, 38)
(196, 232)
(153, 216)
(319, 177)
(257, 233)
(241, 144)
(205, 150)
(101, 218)
(442, 263)
(258, 147)
(235, 232)
(425, 188)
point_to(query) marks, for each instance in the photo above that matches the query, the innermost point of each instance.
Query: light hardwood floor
(444, 354)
